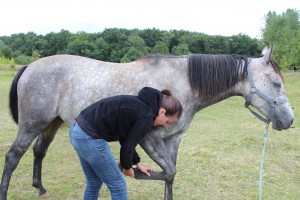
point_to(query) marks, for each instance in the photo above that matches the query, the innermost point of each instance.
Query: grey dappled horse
(55, 89)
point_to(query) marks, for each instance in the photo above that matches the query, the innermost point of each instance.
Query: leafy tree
(167, 38)
(176, 39)
(295, 52)
(115, 56)
(137, 50)
(139, 44)
(55, 43)
(283, 30)
(243, 44)
(101, 51)
(284, 63)
(216, 45)
(15, 41)
(160, 48)
(81, 48)
(5, 51)
(131, 55)
(63, 38)
(35, 56)
(181, 49)
(42, 46)
(29, 43)
(151, 36)
(22, 59)
(7, 61)
(21, 42)
(195, 42)
(117, 41)
(125, 59)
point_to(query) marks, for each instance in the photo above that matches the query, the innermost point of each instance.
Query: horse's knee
(170, 174)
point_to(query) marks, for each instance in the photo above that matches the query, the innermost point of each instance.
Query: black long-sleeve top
(123, 118)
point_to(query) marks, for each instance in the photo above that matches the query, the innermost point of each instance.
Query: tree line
(123, 45)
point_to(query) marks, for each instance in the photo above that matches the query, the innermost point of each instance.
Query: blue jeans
(98, 165)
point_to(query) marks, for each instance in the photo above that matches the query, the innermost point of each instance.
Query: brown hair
(171, 104)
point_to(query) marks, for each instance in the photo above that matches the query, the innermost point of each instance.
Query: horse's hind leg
(39, 151)
(12, 158)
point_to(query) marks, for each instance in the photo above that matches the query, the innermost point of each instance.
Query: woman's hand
(144, 168)
(128, 172)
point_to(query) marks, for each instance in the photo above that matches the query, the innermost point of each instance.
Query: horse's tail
(13, 95)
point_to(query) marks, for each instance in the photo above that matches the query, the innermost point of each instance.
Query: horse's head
(266, 92)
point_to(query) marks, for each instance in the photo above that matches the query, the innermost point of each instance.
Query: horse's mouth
(277, 125)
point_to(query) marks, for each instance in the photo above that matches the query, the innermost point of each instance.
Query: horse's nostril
(292, 122)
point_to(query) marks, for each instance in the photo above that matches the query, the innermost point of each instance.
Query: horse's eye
(278, 85)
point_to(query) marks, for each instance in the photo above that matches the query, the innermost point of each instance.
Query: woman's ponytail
(171, 104)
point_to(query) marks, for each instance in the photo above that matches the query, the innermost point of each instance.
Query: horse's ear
(267, 52)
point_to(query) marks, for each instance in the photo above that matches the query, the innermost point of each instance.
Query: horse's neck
(237, 90)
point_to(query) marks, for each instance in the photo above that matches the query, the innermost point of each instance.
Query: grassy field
(218, 157)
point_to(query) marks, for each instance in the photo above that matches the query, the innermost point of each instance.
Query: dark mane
(210, 75)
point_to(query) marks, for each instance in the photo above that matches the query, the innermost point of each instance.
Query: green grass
(218, 157)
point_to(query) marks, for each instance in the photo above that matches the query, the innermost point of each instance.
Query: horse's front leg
(155, 147)
(164, 153)
(172, 145)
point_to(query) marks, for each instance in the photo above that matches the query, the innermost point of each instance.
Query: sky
(212, 17)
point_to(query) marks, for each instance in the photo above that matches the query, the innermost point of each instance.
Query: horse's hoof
(45, 195)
